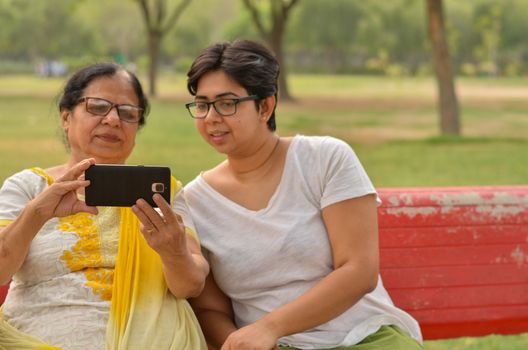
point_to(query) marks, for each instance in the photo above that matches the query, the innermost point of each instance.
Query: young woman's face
(233, 134)
(106, 138)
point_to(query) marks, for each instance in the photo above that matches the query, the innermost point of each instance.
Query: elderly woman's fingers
(77, 170)
(69, 186)
(82, 207)
(147, 225)
(169, 216)
(149, 216)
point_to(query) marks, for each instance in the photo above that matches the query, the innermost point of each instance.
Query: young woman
(288, 224)
(96, 278)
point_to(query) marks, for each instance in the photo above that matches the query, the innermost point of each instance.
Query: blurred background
(428, 92)
(368, 72)
(485, 37)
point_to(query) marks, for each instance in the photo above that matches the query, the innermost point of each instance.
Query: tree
(34, 30)
(449, 117)
(115, 28)
(488, 25)
(158, 23)
(319, 43)
(279, 12)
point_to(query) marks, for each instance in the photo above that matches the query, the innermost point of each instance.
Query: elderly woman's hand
(184, 266)
(60, 198)
(164, 232)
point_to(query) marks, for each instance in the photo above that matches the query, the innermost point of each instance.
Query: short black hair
(74, 88)
(247, 62)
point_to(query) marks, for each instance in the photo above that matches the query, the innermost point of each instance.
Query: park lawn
(390, 123)
(491, 342)
(30, 135)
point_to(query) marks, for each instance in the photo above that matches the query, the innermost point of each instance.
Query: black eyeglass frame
(112, 105)
(235, 100)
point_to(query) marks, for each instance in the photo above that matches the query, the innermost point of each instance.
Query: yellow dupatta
(11, 338)
(143, 314)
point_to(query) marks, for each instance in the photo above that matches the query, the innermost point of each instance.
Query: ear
(266, 107)
(65, 116)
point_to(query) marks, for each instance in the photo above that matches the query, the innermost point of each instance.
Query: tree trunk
(154, 52)
(276, 46)
(158, 22)
(279, 12)
(449, 117)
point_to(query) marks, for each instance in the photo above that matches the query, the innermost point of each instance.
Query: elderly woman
(96, 277)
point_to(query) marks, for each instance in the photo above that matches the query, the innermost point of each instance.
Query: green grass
(447, 162)
(391, 124)
(491, 342)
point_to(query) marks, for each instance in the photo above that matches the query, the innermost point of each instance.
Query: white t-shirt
(266, 258)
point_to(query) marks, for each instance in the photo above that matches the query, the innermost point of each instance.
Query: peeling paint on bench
(519, 256)
(456, 258)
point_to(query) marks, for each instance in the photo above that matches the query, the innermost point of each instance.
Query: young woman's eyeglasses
(101, 107)
(223, 106)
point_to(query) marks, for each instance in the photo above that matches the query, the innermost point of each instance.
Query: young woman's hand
(251, 337)
(60, 198)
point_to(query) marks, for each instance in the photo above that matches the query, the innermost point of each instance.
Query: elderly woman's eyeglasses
(101, 107)
(224, 106)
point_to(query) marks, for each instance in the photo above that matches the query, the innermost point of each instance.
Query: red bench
(3, 293)
(456, 258)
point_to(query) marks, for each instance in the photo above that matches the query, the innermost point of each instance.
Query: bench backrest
(457, 258)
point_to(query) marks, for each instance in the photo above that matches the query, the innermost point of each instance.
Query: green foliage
(192, 33)
(351, 36)
(40, 29)
(116, 27)
(485, 37)
(241, 26)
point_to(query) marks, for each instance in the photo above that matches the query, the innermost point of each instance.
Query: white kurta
(61, 294)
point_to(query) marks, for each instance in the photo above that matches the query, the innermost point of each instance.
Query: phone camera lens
(158, 187)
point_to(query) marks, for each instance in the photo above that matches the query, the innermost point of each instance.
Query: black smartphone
(113, 185)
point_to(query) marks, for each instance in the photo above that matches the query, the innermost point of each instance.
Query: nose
(212, 114)
(112, 118)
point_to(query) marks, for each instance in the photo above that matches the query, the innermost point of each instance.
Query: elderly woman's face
(106, 138)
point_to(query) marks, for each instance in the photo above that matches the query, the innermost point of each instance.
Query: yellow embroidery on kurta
(86, 255)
